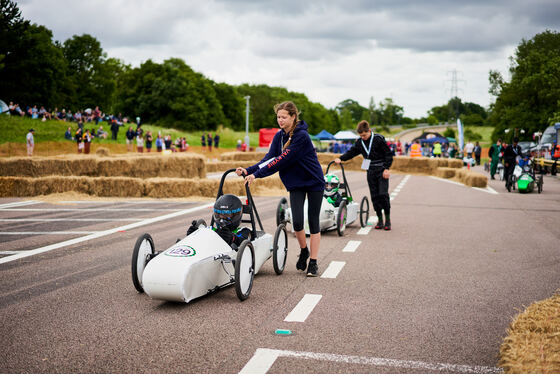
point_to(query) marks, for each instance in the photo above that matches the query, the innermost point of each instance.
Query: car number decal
(182, 251)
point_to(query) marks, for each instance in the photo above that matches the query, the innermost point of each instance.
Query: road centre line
(46, 232)
(488, 189)
(352, 245)
(304, 308)
(102, 233)
(18, 203)
(333, 269)
(364, 230)
(264, 358)
(69, 219)
(9, 252)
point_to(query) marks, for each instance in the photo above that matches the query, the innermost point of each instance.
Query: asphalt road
(435, 294)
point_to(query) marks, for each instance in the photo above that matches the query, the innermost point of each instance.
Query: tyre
(280, 249)
(364, 211)
(144, 250)
(200, 221)
(244, 270)
(341, 218)
(281, 211)
(539, 184)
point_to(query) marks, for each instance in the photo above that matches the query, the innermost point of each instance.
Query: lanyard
(370, 144)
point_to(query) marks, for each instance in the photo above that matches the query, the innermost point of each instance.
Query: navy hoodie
(298, 164)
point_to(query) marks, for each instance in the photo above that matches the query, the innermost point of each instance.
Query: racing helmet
(332, 183)
(228, 212)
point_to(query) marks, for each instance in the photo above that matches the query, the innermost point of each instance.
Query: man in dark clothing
(114, 129)
(378, 158)
(510, 159)
(216, 140)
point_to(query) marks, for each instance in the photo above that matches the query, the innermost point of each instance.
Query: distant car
(547, 140)
(527, 146)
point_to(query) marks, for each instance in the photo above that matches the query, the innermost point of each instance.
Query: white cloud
(330, 50)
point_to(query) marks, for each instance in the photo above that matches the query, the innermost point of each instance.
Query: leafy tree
(93, 77)
(357, 112)
(532, 96)
(233, 105)
(171, 94)
(449, 133)
(33, 69)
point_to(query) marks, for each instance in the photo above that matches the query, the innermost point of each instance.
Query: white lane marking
(264, 358)
(88, 209)
(89, 202)
(333, 269)
(352, 245)
(261, 362)
(304, 308)
(69, 219)
(46, 232)
(447, 180)
(102, 233)
(9, 252)
(364, 230)
(18, 203)
(488, 189)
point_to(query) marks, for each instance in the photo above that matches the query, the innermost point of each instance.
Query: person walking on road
(495, 154)
(477, 152)
(378, 158)
(292, 154)
(510, 159)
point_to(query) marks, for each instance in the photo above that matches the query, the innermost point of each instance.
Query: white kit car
(330, 217)
(203, 262)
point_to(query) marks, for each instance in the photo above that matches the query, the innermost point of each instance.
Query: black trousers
(508, 170)
(314, 200)
(379, 190)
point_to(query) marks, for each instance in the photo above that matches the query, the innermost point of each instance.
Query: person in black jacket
(292, 154)
(510, 159)
(378, 158)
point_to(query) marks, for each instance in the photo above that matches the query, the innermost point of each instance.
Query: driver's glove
(192, 228)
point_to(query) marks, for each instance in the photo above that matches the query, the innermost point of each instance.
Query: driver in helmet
(332, 184)
(228, 211)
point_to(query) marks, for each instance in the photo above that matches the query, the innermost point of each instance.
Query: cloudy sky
(331, 50)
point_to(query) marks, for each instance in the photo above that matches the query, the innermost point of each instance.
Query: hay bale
(242, 156)
(445, 172)
(471, 178)
(216, 166)
(102, 152)
(533, 341)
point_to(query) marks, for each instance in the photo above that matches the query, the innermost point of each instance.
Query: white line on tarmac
(488, 189)
(352, 245)
(46, 232)
(102, 233)
(18, 203)
(364, 230)
(304, 308)
(69, 219)
(9, 252)
(447, 181)
(333, 269)
(264, 358)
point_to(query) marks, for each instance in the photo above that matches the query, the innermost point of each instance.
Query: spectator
(87, 141)
(149, 140)
(130, 135)
(101, 133)
(203, 142)
(79, 140)
(140, 143)
(468, 150)
(477, 153)
(185, 145)
(216, 140)
(34, 112)
(168, 142)
(436, 151)
(159, 143)
(209, 140)
(12, 109)
(238, 144)
(30, 142)
(114, 129)
(18, 111)
(68, 134)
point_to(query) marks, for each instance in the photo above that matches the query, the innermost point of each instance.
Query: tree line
(77, 74)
